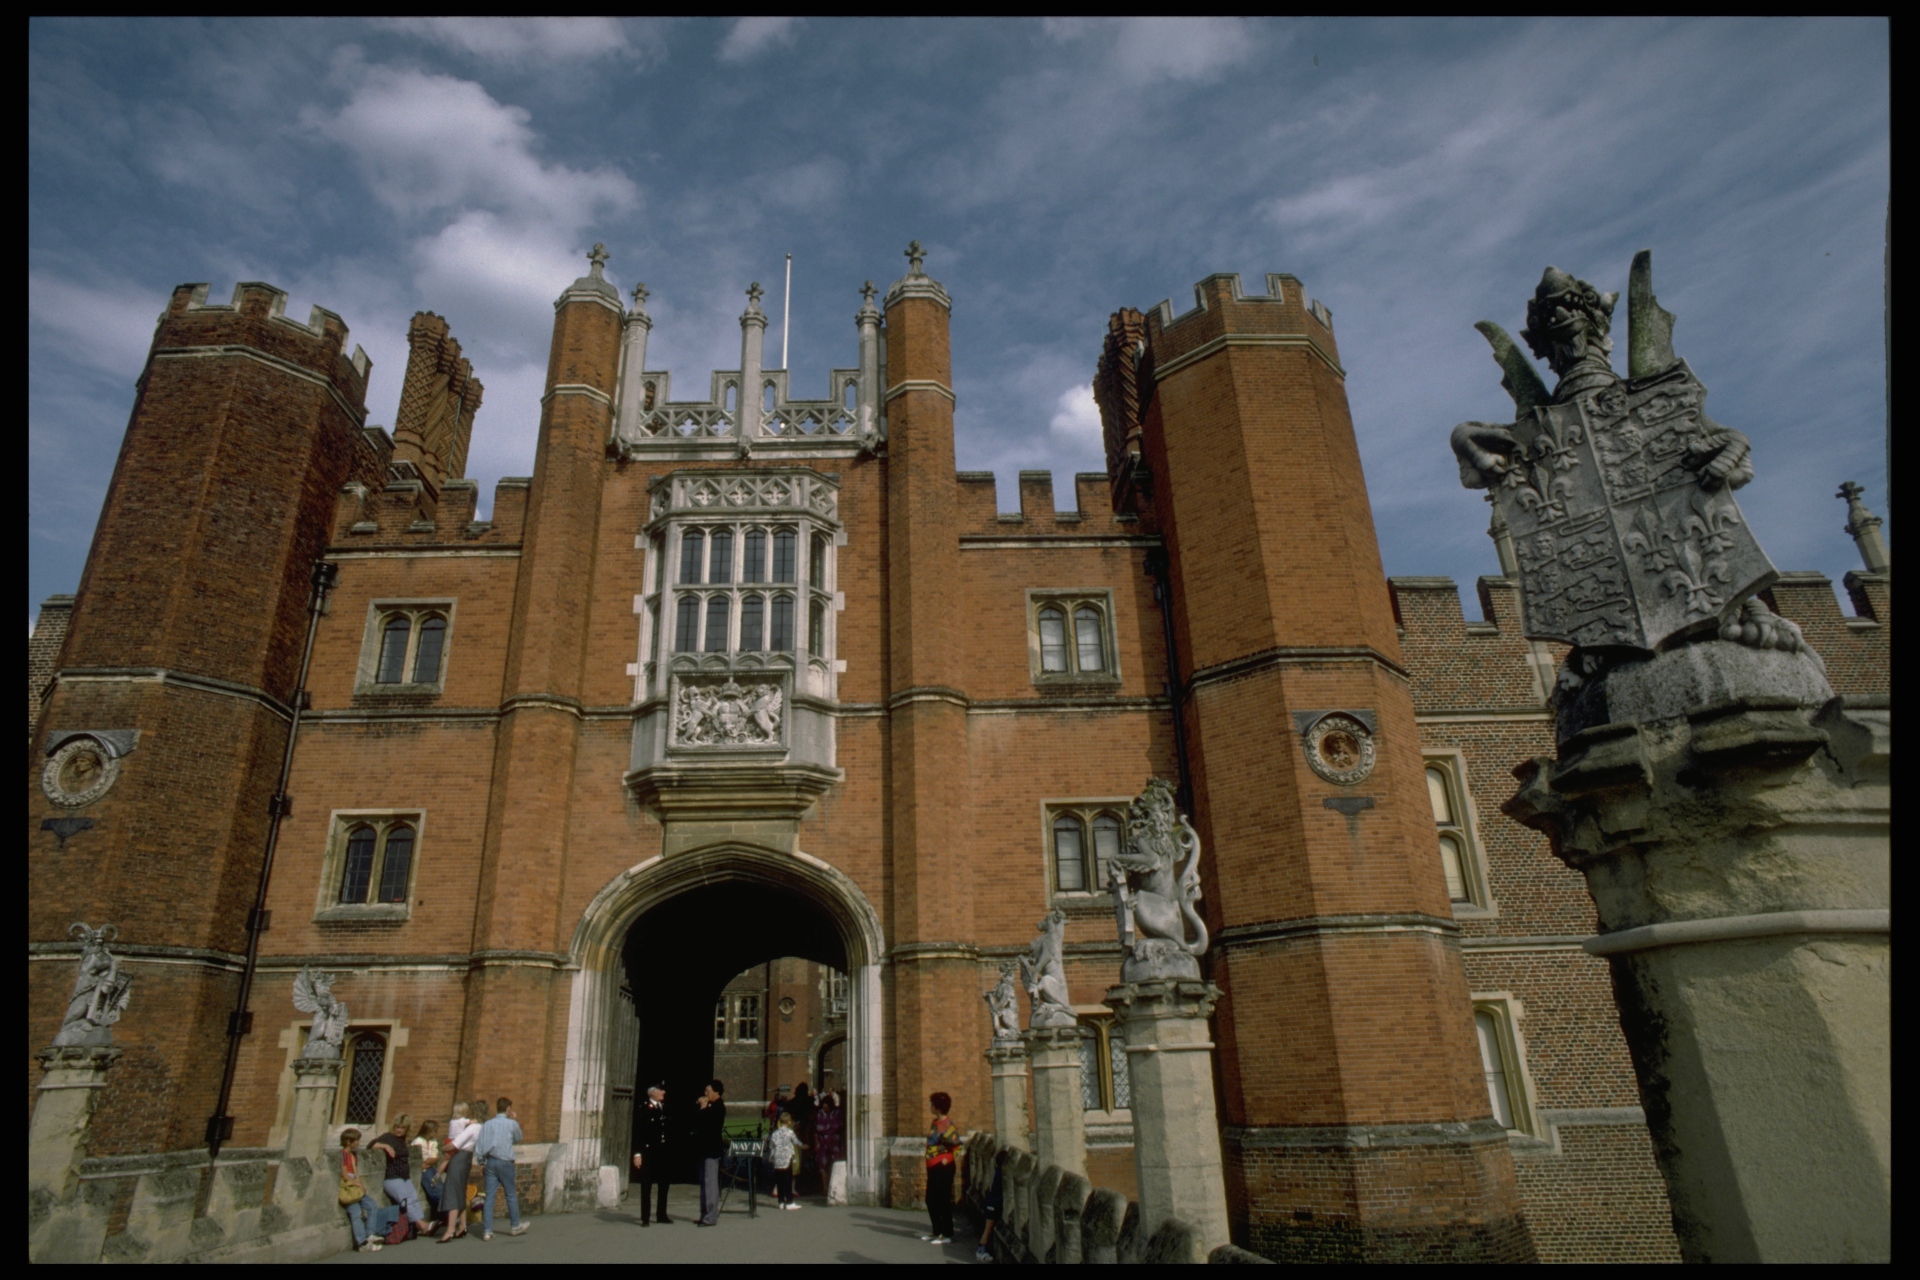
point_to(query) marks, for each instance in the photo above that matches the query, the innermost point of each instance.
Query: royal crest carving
(1003, 1005)
(1043, 971)
(100, 990)
(729, 715)
(1339, 748)
(313, 993)
(1618, 492)
(1156, 890)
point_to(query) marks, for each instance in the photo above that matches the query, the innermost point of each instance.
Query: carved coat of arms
(1618, 492)
(728, 715)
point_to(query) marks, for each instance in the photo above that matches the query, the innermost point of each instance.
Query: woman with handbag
(426, 1152)
(456, 1163)
(368, 1218)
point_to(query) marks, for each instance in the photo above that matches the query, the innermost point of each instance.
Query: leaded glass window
(816, 625)
(357, 874)
(1069, 855)
(393, 649)
(720, 560)
(782, 641)
(1493, 1066)
(753, 623)
(717, 624)
(363, 1078)
(817, 563)
(1448, 799)
(1053, 640)
(426, 660)
(686, 626)
(1090, 1096)
(783, 565)
(692, 543)
(1104, 1082)
(1106, 847)
(396, 866)
(754, 568)
(1089, 646)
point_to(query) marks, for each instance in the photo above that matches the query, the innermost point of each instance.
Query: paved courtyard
(817, 1233)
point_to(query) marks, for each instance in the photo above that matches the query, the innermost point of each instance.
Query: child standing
(783, 1153)
(369, 1220)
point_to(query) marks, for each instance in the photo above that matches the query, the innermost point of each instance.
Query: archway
(653, 950)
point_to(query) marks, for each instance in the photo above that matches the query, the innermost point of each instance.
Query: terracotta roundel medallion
(1340, 749)
(79, 773)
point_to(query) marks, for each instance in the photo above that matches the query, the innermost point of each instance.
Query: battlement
(256, 318)
(978, 513)
(396, 516)
(1223, 311)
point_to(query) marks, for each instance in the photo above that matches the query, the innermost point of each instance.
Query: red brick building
(736, 677)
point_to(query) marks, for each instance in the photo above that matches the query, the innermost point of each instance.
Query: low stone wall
(251, 1205)
(1051, 1215)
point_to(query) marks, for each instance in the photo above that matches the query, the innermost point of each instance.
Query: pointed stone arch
(579, 1174)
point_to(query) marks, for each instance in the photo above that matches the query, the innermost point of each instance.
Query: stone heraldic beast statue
(1156, 888)
(1003, 1005)
(100, 991)
(1619, 492)
(313, 993)
(1043, 971)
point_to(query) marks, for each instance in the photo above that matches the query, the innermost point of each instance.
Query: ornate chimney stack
(434, 424)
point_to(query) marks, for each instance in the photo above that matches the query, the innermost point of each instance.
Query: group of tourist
(806, 1138)
(814, 1126)
(476, 1142)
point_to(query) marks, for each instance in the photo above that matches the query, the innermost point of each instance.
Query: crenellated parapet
(394, 515)
(255, 323)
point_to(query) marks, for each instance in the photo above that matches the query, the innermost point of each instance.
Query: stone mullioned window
(371, 865)
(405, 648)
(1070, 638)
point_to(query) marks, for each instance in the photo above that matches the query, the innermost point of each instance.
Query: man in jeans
(399, 1180)
(494, 1153)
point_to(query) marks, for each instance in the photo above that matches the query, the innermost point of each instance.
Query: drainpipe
(240, 1021)
(1159, 568)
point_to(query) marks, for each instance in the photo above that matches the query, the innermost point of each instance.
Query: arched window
(651, 389)
(686, 625)
(720, 561)
(1069, 855)
(755, 568)
(356, 874)
(783, 556)
(396, 867)
(1053, 640)
(393, 649)
(363, 1078)
(1104, 1082)
(1446, 796)
(732, 396)
(691, 544)
(847, 397)
(782, 640)
(817, 563)
(753, 624)
(766, 398)
(1106, 847)
(426, 659)
(1088, 641)
(816, 625)
(717, 624)
(1493, 1065)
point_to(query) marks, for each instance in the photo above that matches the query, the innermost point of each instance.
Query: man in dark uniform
(652, 1159)
(710, 1141)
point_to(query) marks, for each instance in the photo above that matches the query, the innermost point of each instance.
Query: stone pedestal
(1176, 1129)
(315, 1082)
(1731, 819)
(1059, 1113)
(1007, 1059)
(62, 1115)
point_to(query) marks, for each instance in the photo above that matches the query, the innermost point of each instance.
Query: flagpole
(786, 312)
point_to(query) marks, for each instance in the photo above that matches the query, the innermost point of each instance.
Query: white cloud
(1076, 418)
(1147, 49)
(107, 327)
(522, 40)
(427, 142)
(751, 37)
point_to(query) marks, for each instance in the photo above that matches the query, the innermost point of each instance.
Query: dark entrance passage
(680, 957)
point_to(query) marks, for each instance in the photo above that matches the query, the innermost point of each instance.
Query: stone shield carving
(729, 714)
(1619, 543)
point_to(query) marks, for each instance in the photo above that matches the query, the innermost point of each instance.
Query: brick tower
(935, 966)
(183, 653)
(1356, 1118)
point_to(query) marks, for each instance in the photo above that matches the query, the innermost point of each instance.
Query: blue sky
(1416, 175)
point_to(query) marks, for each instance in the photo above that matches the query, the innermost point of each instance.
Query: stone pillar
(1176, 1127)
(753, 333)
(62, 1115)
(1007, 1059)
(316, 1081)
(1731, 819)
(634, 331)
(1059, 1114)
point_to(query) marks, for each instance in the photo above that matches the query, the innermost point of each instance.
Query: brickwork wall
(43, 652)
